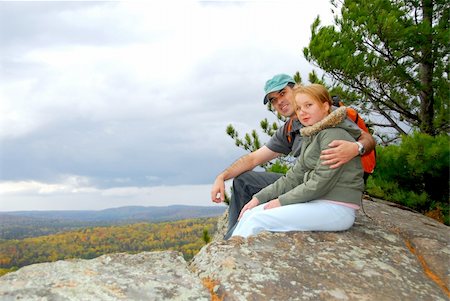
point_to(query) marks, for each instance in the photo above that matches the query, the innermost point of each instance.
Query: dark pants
(244, 187)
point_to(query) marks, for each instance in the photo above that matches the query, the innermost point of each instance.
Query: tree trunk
(426, 72)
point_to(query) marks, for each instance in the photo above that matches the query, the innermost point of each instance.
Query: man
(278, 90)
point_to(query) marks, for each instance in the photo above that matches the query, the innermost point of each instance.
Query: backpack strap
(287, 130)
(368, 160)
(336, 101)
(353, 115)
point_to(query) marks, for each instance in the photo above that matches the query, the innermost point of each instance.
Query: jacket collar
(331, 120)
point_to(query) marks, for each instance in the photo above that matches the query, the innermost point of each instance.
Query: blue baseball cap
(277, 83)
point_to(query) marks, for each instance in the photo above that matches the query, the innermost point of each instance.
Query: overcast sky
(106, 104)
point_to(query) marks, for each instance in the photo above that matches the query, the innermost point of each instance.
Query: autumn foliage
(185, 236)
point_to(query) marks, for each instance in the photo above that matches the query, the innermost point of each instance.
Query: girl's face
(309, 111)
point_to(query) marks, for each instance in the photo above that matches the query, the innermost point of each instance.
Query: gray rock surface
(144, 276)
(395, 254)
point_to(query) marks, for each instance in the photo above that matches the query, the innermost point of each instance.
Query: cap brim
(277, 88)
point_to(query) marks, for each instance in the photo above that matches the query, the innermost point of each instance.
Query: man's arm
(243, 164)
(368, 141)
(341, 151)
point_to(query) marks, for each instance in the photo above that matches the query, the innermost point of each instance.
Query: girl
(311, 196)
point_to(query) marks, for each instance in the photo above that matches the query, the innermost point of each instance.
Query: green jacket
(309, 179)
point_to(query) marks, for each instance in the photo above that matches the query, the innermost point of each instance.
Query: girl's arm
(322, 178)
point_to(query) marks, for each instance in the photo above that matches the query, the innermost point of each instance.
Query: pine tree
(393, 55)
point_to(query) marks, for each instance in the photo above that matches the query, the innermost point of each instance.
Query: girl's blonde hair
(318, 92)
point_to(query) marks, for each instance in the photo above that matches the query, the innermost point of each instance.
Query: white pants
(318, 215)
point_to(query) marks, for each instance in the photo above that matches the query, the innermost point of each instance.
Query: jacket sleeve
(293, 177)
(352, 128)
(322, 178)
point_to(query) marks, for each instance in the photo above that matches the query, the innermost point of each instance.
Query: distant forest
(186, 236)
(24, 224)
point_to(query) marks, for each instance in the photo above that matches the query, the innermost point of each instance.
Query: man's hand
(339, 153)
(252, 204)
(218, 190)
(272, 204)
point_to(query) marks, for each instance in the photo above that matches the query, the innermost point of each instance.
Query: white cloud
(72, 194)
(67, 185)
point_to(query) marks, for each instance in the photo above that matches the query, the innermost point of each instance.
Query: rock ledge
(393, 255)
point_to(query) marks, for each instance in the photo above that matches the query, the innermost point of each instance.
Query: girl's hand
(272, 204)
(253, 203)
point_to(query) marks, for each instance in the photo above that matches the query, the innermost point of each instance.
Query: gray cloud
(132, 94)
(52, 23)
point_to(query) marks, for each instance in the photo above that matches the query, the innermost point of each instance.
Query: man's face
(282, 101)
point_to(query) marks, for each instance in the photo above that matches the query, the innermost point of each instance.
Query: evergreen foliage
(414, 173)
(206, 237)
(393, 55)
(278, 167)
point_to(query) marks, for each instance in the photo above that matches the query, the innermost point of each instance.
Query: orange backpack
(368, 160)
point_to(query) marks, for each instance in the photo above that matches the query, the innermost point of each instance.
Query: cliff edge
(395, 254)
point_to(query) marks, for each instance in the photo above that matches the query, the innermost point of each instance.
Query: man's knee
(253, 181)
(243, 179)
(249, 183)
